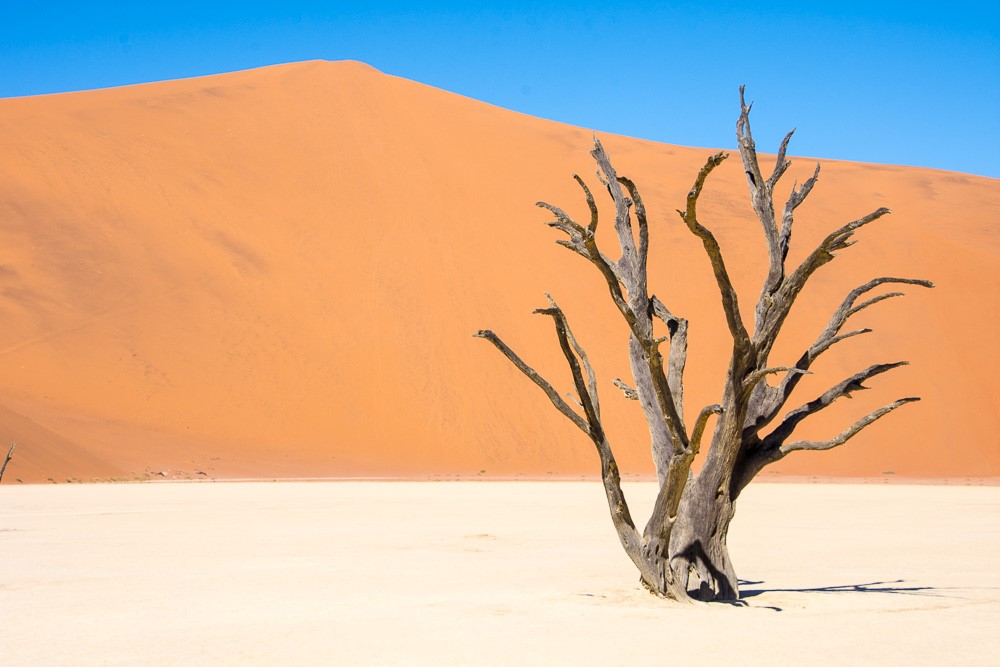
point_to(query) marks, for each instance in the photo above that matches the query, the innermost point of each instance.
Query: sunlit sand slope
(278, 272)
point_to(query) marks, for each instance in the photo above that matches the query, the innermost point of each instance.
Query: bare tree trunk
(698, 550)
(698, 544)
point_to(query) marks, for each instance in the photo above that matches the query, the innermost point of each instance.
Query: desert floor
(484, 573)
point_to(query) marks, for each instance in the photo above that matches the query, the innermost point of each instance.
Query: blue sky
(902, 83)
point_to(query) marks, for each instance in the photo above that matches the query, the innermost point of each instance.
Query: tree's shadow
(891, 587)
(885, 587)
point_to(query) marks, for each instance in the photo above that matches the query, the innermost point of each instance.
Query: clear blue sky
(913, 83)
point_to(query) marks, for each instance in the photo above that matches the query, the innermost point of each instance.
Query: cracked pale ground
(484, 573)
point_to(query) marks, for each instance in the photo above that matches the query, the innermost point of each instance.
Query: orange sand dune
(277, 272)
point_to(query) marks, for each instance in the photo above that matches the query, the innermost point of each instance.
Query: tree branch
(796, 197)
(847, 308)
(532, 375)
(610, 476)
(591, 387)
(843, 388)
(576, 232)
(590, 204)
(567, 342)
(628, 267)
(762, 200)
(583, 242)
(778, 308)
(850, 334)
(677, 359)
(760, 190)
(626, 280)
(836, 240)
(642, 252)
(700, 423)
(621, 517)
(754, 378)
(781, 164)
(629, 392)
(730, 301)
(776, 397)
(847, 433)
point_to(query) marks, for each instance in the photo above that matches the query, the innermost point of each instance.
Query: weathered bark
(682, 551)
(698, 549)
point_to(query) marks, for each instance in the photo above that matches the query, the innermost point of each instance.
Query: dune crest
(277, 272)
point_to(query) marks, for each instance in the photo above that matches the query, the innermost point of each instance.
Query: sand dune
(277, 272)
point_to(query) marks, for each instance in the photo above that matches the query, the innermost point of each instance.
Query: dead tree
(682, 552)
(10, 455)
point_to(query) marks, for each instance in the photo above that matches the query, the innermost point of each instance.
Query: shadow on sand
(748, 590)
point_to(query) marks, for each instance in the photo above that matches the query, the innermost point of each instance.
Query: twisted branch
(621, 517)
(631, 268)
(760, 190)
(629, 392)
(779, 306)
(591, 387)
(658, 389)
(796, 197)
(730, 300)
(847, 433)
(583, 242)
(533, 375)
(830, 336)
(701, 423)
(843, 388)
(677, 359)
